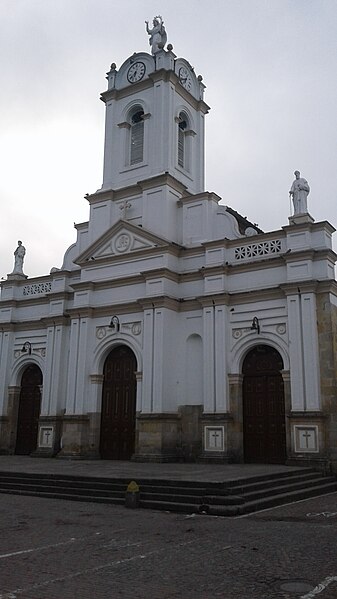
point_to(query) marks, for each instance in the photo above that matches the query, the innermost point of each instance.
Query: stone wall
(327, 337)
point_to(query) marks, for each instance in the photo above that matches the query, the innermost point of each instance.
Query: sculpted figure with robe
(19, 255)
(299, 192)
(158, 37)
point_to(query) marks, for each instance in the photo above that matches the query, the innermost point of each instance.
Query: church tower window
(137, 137)
(182, 126)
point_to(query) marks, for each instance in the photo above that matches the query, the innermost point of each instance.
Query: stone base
(216, 433)
(300, 219)
(75, 438)
(322, 464)
(49, 437)
(13, 276)
(156, 438)
(169, 437)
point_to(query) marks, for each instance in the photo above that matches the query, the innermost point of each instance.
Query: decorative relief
(122, 242)
(136, 328)
(281, 329)
(255, 250)
(100, 332)
(46, 436)
(214, 438)
(237, 333)
(41, 351)
(306, 439)
(37, 288)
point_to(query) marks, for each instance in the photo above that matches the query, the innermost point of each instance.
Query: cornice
(136, 189)
(60, 320)
(161, 272)
(324, 224)
(80, 312)
(160, 180)
(7, 327)
(35, 300)
(244, 297)
(207, 271)
(299, 287)
(313, 286)
(29, 325)
(167, 76)
(327, 286)
(124, 92)
(162, 301)
(253, 265)
(209, 196)
(218, 299)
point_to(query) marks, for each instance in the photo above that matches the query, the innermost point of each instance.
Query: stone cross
(306, 437)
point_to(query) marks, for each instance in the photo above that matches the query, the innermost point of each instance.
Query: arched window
(137, 136)
(182, 126)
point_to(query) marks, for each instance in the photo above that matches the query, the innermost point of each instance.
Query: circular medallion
(122, 242)
(100, 333)
(136, 328)
(237, 334)
(136, 72)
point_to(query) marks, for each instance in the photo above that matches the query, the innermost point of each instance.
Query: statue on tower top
(158, 37)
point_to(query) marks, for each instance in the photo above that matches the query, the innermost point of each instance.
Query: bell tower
(154, 141)
(154, 118)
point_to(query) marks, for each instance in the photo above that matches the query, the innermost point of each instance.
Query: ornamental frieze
(37, 288)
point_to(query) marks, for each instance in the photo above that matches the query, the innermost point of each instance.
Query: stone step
(188, 497)
(273, 501)
(278, 489)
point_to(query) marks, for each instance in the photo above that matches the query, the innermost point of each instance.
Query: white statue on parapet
(299, 192)
(158, 37)
(19, 255)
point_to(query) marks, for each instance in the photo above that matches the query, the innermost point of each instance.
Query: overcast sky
(270, 67)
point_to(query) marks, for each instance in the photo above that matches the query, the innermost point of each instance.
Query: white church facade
(175, 329)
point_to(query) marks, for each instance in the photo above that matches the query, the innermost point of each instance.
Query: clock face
(185, 78)
(136, 72)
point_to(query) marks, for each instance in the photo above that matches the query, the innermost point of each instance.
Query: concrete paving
(133, 470)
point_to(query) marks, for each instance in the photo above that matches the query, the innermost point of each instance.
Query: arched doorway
(263, 406)
(118, 420)
(29, 410)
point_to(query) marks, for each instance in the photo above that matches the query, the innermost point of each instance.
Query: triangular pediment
(122, 238)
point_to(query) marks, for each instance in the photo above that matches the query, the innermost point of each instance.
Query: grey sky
(270, 67)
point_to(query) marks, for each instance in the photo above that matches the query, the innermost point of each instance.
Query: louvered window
(181, 140)
(137, 137)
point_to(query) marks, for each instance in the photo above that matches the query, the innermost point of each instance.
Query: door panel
(118, 405)
(29, 411)
(263, 407)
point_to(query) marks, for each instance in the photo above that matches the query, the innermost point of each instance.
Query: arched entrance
(29, 410)
(263, 406)
(118, 419)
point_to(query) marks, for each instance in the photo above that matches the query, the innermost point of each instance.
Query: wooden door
(263, 407)
(29, 410)
(118, 405)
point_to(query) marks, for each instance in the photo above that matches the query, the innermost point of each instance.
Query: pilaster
(209, 359)
(235, 427)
